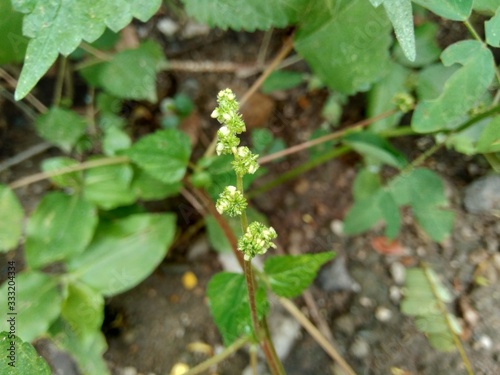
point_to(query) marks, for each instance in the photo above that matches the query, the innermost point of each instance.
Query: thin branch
(25, 155)
(30, 98)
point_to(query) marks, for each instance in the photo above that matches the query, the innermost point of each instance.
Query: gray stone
(335, 277)
(483, 195)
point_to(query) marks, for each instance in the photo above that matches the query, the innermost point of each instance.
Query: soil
(161, 323)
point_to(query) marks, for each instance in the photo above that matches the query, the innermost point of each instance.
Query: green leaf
(427, 48)
(401, 17)
(489, 140)
(486, 5)
(61, 226)
(456, 10)
(461, 92)
(247, 15)
(115, 140)
(164, 154)
(87, 351)
(436, 222)
(374, 146)
(289, 275)
(464, 141)
(366, 184)
(80, 20)
(131, 74)
(72, 180)
(61, 127)
(124, 252)
(346, 58)
(431, 80)
(11, 229)
(20, 357)
(38, 304)
(108, 186)
(282, 80)
(364, 214)
(83, 309)
(492, 29)
(380, 97)
(149, 188)
(391, 215)
(228, 301)
(12, 44)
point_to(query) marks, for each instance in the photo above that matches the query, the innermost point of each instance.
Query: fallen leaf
(385, 246)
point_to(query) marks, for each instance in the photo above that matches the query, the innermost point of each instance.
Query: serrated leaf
(164, 154)
(130, 74)
(228, 301)
(282, 80)
(80, 20)
(461, 92)
(148, 188)
(83, 309)
(401, 16)
(289, 275)
(72, 180)
(11, 229)
(380, 97)
(492, 29)
(61, 226)
(124, 252)
(12, 44)
(108, 186)
(376, 147)
(61, 127)
(87, 351)
(38, 304)
(457, 10)
(20, 358)
(427, 48)
(346, 58)
(247, 15)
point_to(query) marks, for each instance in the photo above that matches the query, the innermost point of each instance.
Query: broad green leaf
(61, 127)
(12, 44)
(246, 15)
(20, 358)
(115, 140)
(457, 10)
(492, 29)
(486, 5)
(38, 304)
(465, 141)
(61, 226)
(11, 228)
(72, 180)
(364, 214)
(380, 97)
(436, 222)
(282, 80)
(366, 184)
(401, 16)
(427, 48)
(346, 58)
(109, 187)
(80, 19)
(130, 74)
(87, 351)
(489, 140)
(332, 108)
(228, 301)
(431, 80)
(289, 275)
(124, 252)
(461, 92)
(149, 188)
(163, 154)
(371, 145)
(391, 215)
(83, 309)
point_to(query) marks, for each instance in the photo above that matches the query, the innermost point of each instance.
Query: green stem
(59, 81)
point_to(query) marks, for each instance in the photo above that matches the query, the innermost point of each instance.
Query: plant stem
(74, 168)
(56, 100)
(218, 357)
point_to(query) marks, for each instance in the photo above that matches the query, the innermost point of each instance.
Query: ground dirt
(150, 328)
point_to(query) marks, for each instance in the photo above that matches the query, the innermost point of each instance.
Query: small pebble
(395, 294)
(484, 342)
(483, 195)
(383, 314)
(360, 348)
(398, 273)
(167, 26)
(129, 371)
(365, 302)
(337, 227)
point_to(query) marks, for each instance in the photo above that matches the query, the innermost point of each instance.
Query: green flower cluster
(256, 240)
(231, 201)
